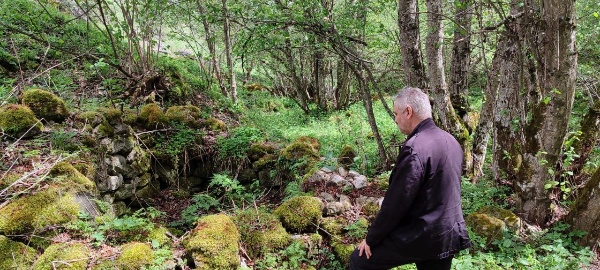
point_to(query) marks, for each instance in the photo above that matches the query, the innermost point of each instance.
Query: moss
(15, 255)
(112, 115)
(105, 130)
(187, 114)
(151, 116)
(261, 232)
(45, 105)
(8, 179)
(19, 120)
(214, 243)
(303, 147)
(93, 118)
(347, 155)
(342, 251)
(159, 235)
(85, 168)
(71, 179)
(135, 255)
(34, 212)
(267, 161)
(214, 124)
(508, 217)
(370, 209)
(333, 225)
(76, 254)
(105, 264)
(300, 214)
(260, 149)
(486, 226)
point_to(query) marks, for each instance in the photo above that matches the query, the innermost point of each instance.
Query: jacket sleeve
(405, 182)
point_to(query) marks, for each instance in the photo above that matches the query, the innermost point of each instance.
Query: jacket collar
(425, 124)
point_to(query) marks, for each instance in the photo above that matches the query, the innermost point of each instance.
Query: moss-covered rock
(92, 118)
(69, 178)
(214, 124)
(261, 231)
(300, 214)
(34, 212)
(45, 105)
(347, 155)
(488, 227)
(65, 256)
(15, 255)
(135, 255)
(268, 161)
(333, 225)
(152, 116)
(214, 243)
(160, 235)
(19, 121)
(303, 147)
(342, 251)
(112, 116)
(511, 220)
(260, 149)
(188, 114)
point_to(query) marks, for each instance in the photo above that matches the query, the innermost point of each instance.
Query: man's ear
(410, 111)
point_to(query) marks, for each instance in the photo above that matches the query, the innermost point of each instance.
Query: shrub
(237, 144)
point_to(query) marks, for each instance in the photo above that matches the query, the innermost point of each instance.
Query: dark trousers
(381, 263)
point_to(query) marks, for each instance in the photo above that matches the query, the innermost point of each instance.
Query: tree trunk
(588, 140)
(584, 212)
(447, 118)
(412, 59)
(210, 41)
(461, 58)
(230, 65)
(486, 116)
(544, 67)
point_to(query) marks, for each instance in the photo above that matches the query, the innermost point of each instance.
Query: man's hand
(363, 247)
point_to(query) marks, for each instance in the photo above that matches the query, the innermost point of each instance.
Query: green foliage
(65, 140)
(358, 229)
(237, 144)
(201, 204)
(135, 227)
(480, 194)
(173, 144)
(294, 256)
(231, 190)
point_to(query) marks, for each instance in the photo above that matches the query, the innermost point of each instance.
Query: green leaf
(595, 14)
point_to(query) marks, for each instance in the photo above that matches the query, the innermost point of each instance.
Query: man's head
(411, 106)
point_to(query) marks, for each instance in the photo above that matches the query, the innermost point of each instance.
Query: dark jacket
(421, 215)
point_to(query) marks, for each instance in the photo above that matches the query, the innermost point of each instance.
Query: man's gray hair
(416, 99)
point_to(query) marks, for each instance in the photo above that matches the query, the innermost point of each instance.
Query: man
(421, 219)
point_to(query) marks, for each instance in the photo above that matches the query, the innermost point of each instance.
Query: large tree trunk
(410, 44)
(531, 138)
(230, 65)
